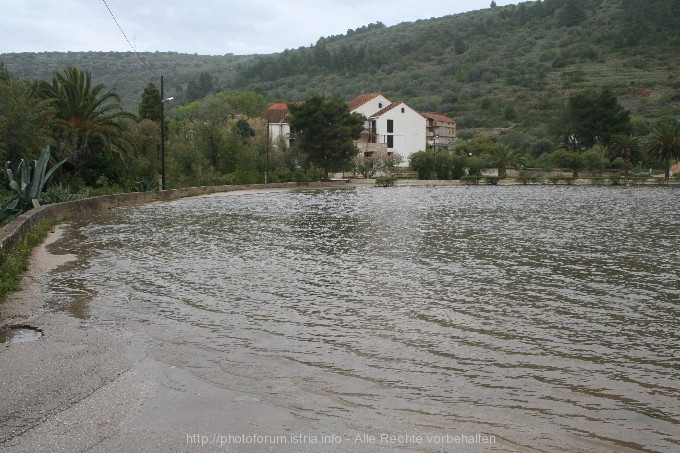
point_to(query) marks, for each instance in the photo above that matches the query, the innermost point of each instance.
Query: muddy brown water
(544, 316)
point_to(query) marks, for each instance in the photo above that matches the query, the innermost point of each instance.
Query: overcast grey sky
(208, 27)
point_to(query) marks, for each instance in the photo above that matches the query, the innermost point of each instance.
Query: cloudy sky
(207, 27)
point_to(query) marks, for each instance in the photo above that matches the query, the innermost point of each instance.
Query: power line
(179, 89)
(128, 41)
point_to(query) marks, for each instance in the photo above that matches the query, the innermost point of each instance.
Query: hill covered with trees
(497, 67)
(491, 68)
(188, 76)
(526, 76)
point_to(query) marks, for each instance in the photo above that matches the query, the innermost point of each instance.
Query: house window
(390, 126)
(379, 105)
(390, 141)
(403, 110)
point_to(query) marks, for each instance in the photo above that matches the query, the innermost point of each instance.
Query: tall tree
(644, 20)
(625, 146)
(222, 106)
(88, 120)
(152, 104)
(243, 129)
(325, 130)
(665, 142)
(22, 128)
(503, 156)
(5, 75)
(592, 117)
(572, 13)
(199, 87)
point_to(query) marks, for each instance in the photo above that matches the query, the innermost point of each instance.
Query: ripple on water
(544, 315)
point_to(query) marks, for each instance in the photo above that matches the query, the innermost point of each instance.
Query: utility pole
(162, 136)
(266, 171)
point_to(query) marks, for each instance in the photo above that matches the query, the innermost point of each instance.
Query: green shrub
(386, 181)
(422, 163)
(14, 263)
(471, 179)
(526, 178)
(144, 186)
(59, 193)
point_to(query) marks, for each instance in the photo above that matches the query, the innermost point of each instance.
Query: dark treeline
(633, 21)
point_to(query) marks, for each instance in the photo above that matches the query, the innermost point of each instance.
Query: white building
(393, 127)
(390, 128)
(279, 128)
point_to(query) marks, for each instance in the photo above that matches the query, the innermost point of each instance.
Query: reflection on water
(19, 334)
(73, 292)
(546, 316)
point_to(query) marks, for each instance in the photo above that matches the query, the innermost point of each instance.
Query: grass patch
(14, 263)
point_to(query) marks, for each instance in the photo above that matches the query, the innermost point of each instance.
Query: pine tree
(151, 105)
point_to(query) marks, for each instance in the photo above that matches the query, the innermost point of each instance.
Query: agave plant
(27, 184)
(144, 186)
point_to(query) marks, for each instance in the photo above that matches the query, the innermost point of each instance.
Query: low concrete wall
(17, 231)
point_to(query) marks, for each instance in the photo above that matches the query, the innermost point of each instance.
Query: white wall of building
(409, 131)
(277, 130)
(373, 106)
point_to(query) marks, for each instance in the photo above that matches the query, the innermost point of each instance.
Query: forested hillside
(129, 73)
(496, 67)
(493, 69)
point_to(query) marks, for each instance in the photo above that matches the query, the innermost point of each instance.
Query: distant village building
(441, 130)
(368, 104)
(279, 127)
(390, 127)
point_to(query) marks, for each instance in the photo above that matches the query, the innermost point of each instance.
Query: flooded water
(19, 334)
(546, 317)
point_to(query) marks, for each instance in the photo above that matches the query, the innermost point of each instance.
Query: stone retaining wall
(16, 231)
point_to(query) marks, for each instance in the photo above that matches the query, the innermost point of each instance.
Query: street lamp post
(162, 136)
(163, 99)
(266, 171)
(433, 142)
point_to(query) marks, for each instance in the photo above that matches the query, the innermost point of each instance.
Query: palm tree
(86, 119)
(625, 146)
(665, 142)
(503, 156)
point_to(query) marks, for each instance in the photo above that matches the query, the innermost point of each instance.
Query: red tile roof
(277, 112)
(387, 109)
(438, 117)
(393, 105)
(361, 100)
